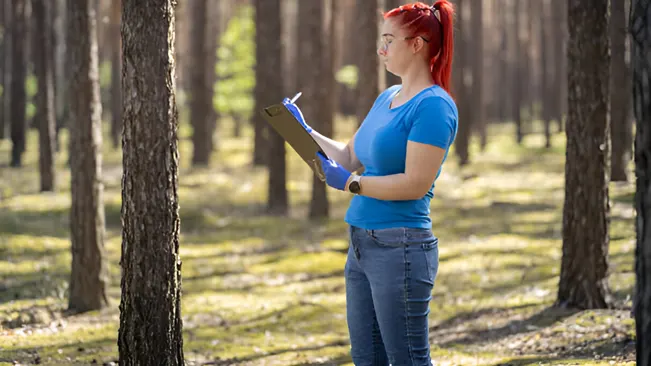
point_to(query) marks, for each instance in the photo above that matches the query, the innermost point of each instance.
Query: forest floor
(261, 290)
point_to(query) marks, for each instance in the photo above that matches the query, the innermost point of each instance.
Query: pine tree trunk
(116, 74)
(368, 63)
(584, 266)
(89, 273)
(641, 66)
(3, 65)
(17, 87)
(516, 103)
(620, 95)
(545, 72)
(150, 309)
(45, 97)
(477, 67)
(200, 88)
(391, 79)
(268, 82)
(462, 142)
(319, 205)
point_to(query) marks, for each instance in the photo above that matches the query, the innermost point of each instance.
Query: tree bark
(4, 9)
(462, 142)
(150, 309)
(621, 132)
(268, 55)
(200, 88)
(368, 63)
(89, 273)
(517, 71)
(545, 72)
(641, 66)
(17, 86)
(45, 97)
(389, 78)
(477, 66)
(584, 266)
(116, 73)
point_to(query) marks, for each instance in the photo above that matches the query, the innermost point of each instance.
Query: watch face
(354, 187)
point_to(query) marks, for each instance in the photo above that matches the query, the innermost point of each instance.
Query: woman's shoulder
(437, 97)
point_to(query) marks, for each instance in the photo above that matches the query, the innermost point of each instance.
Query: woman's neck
(416, 78)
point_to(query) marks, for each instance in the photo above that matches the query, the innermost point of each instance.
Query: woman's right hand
(297, 113)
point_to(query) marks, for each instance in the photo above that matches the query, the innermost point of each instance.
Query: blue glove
(336, 175)
(297, 113)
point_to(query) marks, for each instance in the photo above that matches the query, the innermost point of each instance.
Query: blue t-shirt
(430, 117)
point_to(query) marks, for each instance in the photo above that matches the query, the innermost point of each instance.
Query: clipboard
(290, 129)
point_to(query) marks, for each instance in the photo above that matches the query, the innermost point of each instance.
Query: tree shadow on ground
(544, 318)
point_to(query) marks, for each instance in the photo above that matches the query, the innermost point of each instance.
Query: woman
(401, 145)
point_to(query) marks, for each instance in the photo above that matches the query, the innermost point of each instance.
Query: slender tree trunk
(621, 132)
(200, 90)
(584, 267)
(560, 81)
(89, 273)
(319, 205)
(116, 73)
(17, 87)
(641, 65)
(3, 64)
(45, 97)
(517, 73)
(462, 142)
(368, 64)
(150, 309)
(268, 82)
(477, 66)
(389, 78)
(545, 72)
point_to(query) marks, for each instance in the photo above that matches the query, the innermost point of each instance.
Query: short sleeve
(434, 123)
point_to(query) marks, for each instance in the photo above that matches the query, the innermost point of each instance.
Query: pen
(298, 95)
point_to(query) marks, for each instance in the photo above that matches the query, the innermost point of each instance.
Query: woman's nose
(381, 51)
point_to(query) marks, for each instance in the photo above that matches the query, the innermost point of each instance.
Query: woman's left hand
(336, 175)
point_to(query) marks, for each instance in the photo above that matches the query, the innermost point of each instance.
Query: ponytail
(441, 57)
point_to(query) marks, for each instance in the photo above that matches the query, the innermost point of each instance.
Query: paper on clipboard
(290, 129)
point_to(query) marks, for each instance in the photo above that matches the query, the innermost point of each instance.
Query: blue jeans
(389, 276)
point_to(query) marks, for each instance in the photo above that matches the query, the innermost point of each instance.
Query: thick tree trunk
(620, 96)
(150, 309)
(641, 65)
(584, 267)
(89, 273)
(45, 97)
(268, 55)
(17, 86)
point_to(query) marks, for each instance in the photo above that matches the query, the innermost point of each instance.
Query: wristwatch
(355, 184)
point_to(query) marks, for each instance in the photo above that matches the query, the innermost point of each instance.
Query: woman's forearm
(337, 151)
(396, 187)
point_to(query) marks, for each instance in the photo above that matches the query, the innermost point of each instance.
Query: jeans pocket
(393, 237)
(431, 251)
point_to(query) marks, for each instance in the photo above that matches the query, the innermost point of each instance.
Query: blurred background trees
(544, 68)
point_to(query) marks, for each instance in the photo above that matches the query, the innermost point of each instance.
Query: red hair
(421, 20)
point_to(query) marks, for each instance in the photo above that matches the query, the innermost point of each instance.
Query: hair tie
(435, 12)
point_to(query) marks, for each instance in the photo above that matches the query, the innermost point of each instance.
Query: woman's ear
(417, 45)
